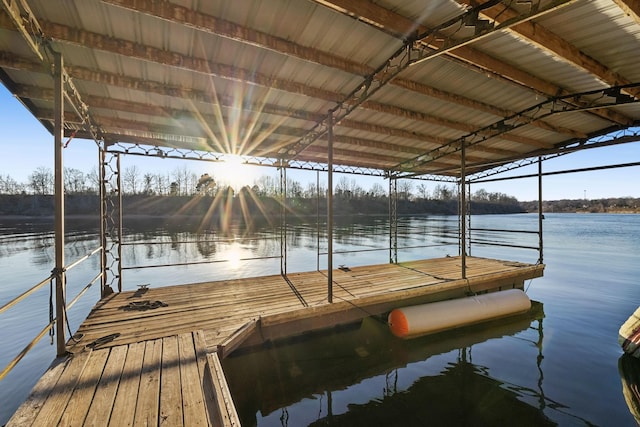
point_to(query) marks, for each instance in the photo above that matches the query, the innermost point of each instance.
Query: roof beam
(630, 7)
(26, 23)
(80, 73)
(551, 42)
(260, 131)
(15, 14)
(411, 53)
(216, 26)
(544, 109)
(403, 27)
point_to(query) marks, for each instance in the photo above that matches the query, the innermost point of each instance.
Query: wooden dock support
(222, 411)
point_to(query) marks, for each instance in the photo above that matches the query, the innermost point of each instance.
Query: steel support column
(59, 273)
(463, 212)
(469, 219)
(111, 210)
(317, 220)
(283, 219)
(103, 229)
(393, 220)
(330, 207)
(540, 214)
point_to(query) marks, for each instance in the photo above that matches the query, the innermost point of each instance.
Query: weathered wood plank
(234, 340)
(100, 411)
(38, 396)
(124, 407)
(170, 384)
(149, 390)
(224, 410)
(58, 399)
(193, 404)
(78, 405)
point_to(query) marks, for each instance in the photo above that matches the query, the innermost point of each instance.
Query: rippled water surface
(559, 367)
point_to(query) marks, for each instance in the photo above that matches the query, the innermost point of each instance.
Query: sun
(233, 171)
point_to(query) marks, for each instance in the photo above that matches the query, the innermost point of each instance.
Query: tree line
(183, 182)
(608, 205)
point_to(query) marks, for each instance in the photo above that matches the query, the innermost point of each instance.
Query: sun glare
(233, 171)
(234, 257)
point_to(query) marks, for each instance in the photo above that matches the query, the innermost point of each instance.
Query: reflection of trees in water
(152, 241)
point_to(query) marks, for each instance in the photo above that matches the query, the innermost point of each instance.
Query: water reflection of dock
(162, 345)
(282, 375)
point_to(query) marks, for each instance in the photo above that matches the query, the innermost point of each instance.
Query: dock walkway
(153, 356)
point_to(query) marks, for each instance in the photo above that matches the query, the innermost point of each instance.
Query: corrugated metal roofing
(259, 77)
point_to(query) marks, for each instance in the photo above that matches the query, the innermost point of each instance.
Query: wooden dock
(153, 356)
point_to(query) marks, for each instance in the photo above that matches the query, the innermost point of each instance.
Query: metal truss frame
(111, 221)
(612, 96)
(414, 50)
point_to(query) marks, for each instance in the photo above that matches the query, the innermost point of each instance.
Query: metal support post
(318, 220)
(469, 219)
(103, 225)
(463, 212)
(540, 214)
(283, 219)
(330, 207)
(59, 273)
(393, 220)
(119, 179)
(111, 210)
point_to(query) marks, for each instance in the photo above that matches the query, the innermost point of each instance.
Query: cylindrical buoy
(409, 322)
(629, 334)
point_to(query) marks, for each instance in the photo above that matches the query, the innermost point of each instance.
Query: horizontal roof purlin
(406, 87)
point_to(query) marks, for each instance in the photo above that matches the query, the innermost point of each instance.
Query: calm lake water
(557, 369)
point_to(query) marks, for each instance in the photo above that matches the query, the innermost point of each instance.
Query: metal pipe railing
(53, 321)
(28, 292)
(180, 264)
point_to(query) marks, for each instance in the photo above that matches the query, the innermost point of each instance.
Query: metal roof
(408, 83)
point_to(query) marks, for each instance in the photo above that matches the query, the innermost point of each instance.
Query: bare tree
(74, 181)
(41, 181)
(294, 188)
(423, 191)
(147, 182)
(348, 188)
(183, 179)
(266, 186)
(131, 179)
(93, 180)
(9, 185)
(377, 191)
(405, 189)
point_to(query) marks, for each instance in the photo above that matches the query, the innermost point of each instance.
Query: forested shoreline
(181, 192)
(241, 205)
(247, 203)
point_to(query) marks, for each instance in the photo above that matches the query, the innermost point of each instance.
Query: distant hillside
(612, 205)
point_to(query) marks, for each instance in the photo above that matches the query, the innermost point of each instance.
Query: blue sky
(26, 145)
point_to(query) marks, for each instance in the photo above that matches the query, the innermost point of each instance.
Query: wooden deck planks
(193, 405)
(156, 371)
(124, 406)
(220, 308)
(79, 402)
(105, 394)
(58, 399)
(171, 396)
(149, 391)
